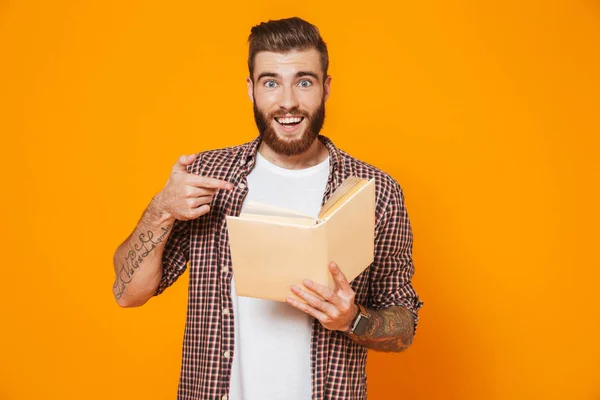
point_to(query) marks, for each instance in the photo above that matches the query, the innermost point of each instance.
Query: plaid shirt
(337, 363)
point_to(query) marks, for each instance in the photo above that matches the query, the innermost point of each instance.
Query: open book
(273, 248)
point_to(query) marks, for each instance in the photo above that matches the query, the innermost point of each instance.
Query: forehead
(288, 63)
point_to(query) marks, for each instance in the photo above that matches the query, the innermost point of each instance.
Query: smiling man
(243, 348)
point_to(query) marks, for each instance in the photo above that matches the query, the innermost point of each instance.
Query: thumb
(183, 162)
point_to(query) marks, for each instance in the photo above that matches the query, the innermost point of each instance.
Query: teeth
(292, 120)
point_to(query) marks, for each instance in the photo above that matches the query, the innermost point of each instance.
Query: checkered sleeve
(392, 269)
(175, 255)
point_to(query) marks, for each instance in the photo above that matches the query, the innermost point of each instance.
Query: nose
(288, 99)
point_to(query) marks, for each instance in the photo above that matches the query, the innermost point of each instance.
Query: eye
(271, 84)
(304, 83)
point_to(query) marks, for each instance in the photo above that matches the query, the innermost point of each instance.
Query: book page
(345, 191)
(256, 208)
(279, 219)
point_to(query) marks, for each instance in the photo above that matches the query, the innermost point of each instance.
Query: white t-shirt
(271, 355)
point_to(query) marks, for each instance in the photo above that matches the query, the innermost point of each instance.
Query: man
(243, 348)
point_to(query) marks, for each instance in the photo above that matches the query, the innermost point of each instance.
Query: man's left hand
(334, 308)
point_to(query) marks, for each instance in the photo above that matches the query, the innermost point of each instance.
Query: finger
(325, 292)
(196, 202)
(338, 276)
(198, 212)
(183, 162)
(324, 319)
(193, 191)
(316, 302)
(207, 182)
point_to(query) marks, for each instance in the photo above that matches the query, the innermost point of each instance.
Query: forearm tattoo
(134, 258)
(389, 330)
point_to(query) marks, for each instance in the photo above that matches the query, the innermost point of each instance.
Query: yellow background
(486, 113)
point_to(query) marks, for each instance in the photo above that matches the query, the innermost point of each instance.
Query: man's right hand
(187, 196)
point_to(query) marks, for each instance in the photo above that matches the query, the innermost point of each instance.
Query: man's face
(289, 97)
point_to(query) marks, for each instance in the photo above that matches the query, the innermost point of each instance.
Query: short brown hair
(284, 35)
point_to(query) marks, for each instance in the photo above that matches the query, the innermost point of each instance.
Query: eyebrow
(307, 73)
(298, 75)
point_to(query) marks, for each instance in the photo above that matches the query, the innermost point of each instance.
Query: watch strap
(360, 322)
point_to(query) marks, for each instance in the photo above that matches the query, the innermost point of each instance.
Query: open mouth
(289, 122)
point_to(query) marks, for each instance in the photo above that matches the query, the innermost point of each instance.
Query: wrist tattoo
(389, 330)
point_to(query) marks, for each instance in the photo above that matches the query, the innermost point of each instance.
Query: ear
(327, 87)
(250, 89)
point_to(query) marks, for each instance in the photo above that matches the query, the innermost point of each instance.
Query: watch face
(361, 325)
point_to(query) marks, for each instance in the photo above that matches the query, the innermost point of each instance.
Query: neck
(316, 153)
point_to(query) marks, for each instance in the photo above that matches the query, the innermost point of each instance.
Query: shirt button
(226, 311)
(242, 162)
(227, 354)
(242, 186)
(225, 269)
(224, 397)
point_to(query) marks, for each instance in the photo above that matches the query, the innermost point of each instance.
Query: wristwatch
(358, 326)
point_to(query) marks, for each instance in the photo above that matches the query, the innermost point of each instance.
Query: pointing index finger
(208, 182)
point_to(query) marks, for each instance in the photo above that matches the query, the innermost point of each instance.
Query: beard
(290, 147)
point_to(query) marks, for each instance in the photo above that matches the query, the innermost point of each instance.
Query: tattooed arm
(138, 260)
(389, 330)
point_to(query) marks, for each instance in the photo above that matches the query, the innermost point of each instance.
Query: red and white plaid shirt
(337, 363)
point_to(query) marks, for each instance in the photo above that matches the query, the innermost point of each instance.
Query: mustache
(284, 112)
